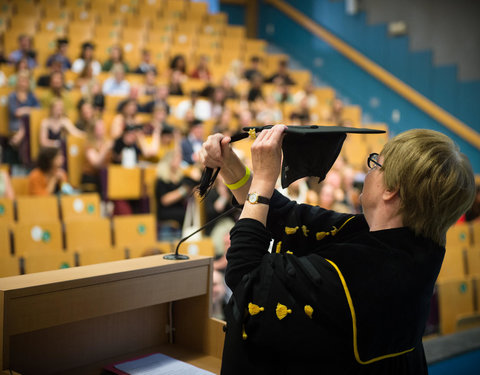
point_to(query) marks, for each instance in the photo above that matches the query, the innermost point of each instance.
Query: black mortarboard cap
(311, 150)
(308, 151)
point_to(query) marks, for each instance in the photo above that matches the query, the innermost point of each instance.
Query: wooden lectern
(77, 320)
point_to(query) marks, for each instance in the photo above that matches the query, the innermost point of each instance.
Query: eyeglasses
(372, 161)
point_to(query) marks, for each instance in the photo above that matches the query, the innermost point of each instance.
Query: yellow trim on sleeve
(354, 324)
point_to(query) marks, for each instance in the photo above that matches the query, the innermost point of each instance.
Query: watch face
(252, 198)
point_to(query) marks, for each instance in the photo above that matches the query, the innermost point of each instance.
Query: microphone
(176, 255)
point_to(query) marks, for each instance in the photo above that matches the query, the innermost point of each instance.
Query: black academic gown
(331, 298)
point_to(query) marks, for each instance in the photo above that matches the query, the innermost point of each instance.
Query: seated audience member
(98, 150)
(86, 117)
(302, 112)
(202, 71)
(20, 103)
(217, 202)
(172, 190)
(116, 84)
(201, 108)
(6, 188)
(55, 67)
(24, 51)
(149, 86)
(175, 83)
(60, 55)
(86, 57)
(268, 111)
(159, 99)
(245, 118)
(220, 295)
(127, 116)
(281, 92)
(57, 91)
(224, 123)
(85, 78)
(192, 143)
(116, 58)
(49, 176)
(328, 199)
(254, 69)
(235, 72)
(21, 66)
(179, 64)
(54, 127)
(336, 113)
(255, 90)
(281, 74)
(132, 144)
(227, 84)
(93, 95)
(307, 92)
(146, 65)
(218, 101)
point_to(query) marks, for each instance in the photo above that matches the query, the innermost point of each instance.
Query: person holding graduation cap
(338, 293)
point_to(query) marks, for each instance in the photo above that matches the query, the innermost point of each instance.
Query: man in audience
(254, 69)
(282, 75)
(24, 50)
(192, 143)
(57, 90)
(146, 64)
(61, 55)
(116, 84)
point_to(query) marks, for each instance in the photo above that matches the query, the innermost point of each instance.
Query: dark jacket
(331, 296)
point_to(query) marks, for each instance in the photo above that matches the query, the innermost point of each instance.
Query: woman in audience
(202, 71)
(86, 57)
(85, 78)
(57, 91)
(98, 151)
(172, 190)
(86, 117)
(49, 176)
(93, 95)
(127, 116)
(21, 66)
(54, 127)
(178, 64)
(149, 86)
(116, 57)
(268, 111)
(255, 90)
(175, 83)
(20, 103)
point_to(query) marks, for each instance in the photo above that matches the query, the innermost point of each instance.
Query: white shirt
(202, 110)
(112, 87)
(79, 65)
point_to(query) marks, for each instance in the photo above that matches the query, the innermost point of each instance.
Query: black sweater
(350, 301)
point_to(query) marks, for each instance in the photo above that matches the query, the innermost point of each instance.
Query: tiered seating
(459, 279)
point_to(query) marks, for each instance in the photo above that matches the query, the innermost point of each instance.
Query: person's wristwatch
(254, 198)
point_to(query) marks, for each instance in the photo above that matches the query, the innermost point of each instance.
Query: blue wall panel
(393, 54)
(357, 85)
(419, 72)
(236, 13)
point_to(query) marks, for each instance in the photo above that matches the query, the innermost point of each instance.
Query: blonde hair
(434, 179)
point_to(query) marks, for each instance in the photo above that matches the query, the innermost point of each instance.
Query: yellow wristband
(241, 182)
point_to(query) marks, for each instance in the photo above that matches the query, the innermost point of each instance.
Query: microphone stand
(176, 255)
